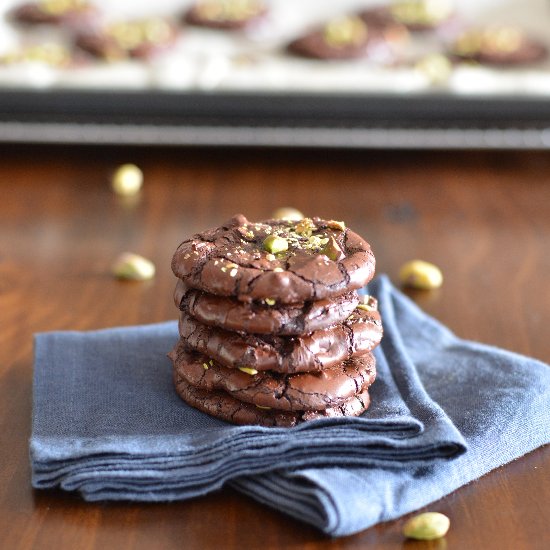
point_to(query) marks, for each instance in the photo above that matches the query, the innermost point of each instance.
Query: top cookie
(277, 261)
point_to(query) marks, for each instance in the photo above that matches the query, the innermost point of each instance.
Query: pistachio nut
(133, 267)
(275, 244)
(345, 31)
(287, 213)
(332, 250)
(305, 227)
(248, 370)
(334, 224)
(420, 274)
(427, 526)
(127, 180)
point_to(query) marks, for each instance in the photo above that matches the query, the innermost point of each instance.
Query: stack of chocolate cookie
(272, 329)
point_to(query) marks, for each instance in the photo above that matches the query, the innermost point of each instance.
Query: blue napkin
(499, 401)
(107, 422)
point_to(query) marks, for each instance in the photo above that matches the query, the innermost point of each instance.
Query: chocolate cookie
(255, 318)
(53, 12)
(222, 405)
(499, 46)
(343, 38)
(129, 39)
(278, 261)
(414, 15)
(315, 351)
(288, 392)
(225, 14)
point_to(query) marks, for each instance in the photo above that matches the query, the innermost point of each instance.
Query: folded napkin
(108, 423)
(499, 401)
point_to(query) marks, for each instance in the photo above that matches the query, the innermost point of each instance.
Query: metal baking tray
(236, 119)
(258, 111)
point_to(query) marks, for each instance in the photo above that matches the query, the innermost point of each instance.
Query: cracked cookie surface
(257, 318)
(225, 407)
(289, 392)
(320, 259)
(315, 351)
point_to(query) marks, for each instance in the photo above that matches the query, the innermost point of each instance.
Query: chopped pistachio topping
(316, 241)
(249, 370)
(421, 12)
(270, 301)
(275, 244)
(332, 250)
(59, 7)
(365, 307)
(333, 224)
(371, 301)
(305, 227)
(205, 366)
(262, 407)
(131, 34)
(51, 54)
(502, 39)
(228, 10)
(345, 31)
(211, 363)
(492, 40)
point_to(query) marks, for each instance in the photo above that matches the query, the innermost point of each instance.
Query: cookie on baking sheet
(278, 261)
(289, 392)
(230, 314)
(54, 12)
(343, 38)
(225, 407)
(315, 351)
(414, 15)
(225, 14)
(499, 45)
(128, 39)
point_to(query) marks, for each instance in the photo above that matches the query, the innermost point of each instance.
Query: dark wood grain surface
(484, 218)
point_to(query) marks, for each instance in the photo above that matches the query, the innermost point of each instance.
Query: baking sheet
(217, 88)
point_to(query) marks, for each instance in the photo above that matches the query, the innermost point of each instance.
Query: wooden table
(484, 218)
